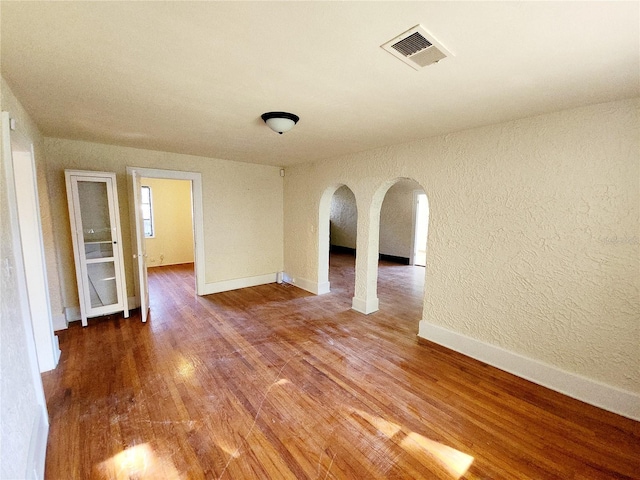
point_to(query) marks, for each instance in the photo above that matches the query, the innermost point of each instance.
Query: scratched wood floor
(272, 382)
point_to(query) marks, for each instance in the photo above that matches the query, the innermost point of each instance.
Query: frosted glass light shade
(280, 122)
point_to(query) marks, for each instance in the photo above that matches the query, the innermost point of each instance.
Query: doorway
(421, 226)
(21, 162)
(168, 230)
(343, 223)
(169, 250)
(404, 219)
(168, 221)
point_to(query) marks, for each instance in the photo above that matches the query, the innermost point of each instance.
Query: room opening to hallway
(343, 221)
(404, 218)
(168, 231)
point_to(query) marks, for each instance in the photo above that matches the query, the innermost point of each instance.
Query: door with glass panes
(97, 243)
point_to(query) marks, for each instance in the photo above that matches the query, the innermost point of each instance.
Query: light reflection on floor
(454, 461)
(139, 462)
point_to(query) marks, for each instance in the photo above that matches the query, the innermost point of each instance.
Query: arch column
(365, 298)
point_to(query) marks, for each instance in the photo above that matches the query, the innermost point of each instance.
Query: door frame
(197, 212)
(18, 147)
(415, 241)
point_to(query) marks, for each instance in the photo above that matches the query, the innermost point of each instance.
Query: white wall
(343, 218)
(20, 388)
(10, 103)
(242, 210)
(533, 235)
(396, 220)
(172, 242)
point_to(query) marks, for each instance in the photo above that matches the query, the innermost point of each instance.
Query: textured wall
(396, 220)
(173, 223)
(11, 104)
(18, 400)
(533, 235)
(242, 208)
(343, 217)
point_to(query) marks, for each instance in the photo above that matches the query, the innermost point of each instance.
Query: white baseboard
(237, 283)
(37, 446)
(323, 288)
(305, 284)
(590, 391)
(365, 306)
(59, 322)
(72, 314)
(312, 287)
(56, 350)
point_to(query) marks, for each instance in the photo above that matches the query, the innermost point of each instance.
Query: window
(147, 212)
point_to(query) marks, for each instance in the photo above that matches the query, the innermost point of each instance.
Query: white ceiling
(194, 77)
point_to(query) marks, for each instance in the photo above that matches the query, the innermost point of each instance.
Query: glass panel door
(99, 243)
(103, 289)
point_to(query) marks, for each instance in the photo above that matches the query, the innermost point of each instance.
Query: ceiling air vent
(417, 48)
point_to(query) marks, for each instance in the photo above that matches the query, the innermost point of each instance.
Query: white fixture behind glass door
(97, 243)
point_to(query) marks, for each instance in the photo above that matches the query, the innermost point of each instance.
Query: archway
(401, 208)
(338, 214)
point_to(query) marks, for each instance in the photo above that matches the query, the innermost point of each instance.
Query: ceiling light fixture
(280, 122)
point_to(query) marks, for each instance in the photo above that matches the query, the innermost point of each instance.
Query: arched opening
(402, 247)
(337, 246)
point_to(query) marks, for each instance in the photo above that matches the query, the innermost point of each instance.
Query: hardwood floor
(273, 382)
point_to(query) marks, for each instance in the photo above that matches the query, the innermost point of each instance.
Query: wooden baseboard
(395, 259)
(341, 249)
(382, 256)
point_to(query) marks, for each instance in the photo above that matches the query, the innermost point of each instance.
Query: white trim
(609, 398)
(72, 314)
(57, 353)
(21, 281)
(198, 215)
(37, 447)
(414, 229)
(237, 283)
(323, 287)
(59, 322)
(365, 306)
(308, 285)
(26, 189)
(139, 242)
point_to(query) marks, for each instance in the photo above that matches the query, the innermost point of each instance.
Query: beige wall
(242, 208)
(396, 220)
(343, 217)
(533, 235)
(173, 223)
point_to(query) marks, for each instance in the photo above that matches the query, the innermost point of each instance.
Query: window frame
(150, 219)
